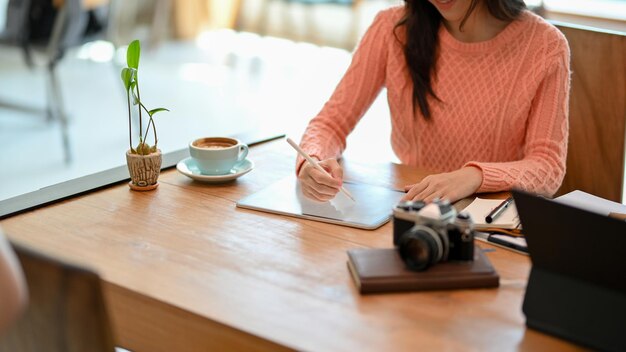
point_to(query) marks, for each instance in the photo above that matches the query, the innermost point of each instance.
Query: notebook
(480, 208)
(372, 209)
(589, 202)
(382, 270)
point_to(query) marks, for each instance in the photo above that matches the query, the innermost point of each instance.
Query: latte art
(213, 145)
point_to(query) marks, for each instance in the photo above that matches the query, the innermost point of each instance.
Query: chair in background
(310, 26)
(125, 16)
(66, 309)
(596, 152)
(52, 27)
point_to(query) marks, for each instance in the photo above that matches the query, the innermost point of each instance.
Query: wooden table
(184, 269)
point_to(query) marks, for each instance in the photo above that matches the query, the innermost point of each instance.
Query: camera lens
(419, 248)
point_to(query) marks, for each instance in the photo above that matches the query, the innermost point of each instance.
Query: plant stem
(130, 133)
(154, 130)
(151, 121)
(141, 141)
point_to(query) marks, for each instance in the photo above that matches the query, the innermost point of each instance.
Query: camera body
(426, 234)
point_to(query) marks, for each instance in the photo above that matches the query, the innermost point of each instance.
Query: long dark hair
(422, 21)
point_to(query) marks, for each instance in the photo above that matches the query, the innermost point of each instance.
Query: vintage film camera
(426, 234)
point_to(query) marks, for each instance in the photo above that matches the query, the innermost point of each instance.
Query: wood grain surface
(595, 160)
(184, 269)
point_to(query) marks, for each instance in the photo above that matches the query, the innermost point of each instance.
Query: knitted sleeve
(542, 168)
(325, 136)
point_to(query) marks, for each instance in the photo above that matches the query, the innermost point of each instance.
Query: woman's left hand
(450, 185)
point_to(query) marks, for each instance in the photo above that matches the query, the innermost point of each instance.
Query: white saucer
(189, 168)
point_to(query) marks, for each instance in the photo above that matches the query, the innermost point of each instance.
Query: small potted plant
(144, 160)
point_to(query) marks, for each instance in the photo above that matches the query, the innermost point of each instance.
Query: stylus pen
(315, 164)
(497, 211)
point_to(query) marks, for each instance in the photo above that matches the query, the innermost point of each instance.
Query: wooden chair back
(595, 160)
(66, 309)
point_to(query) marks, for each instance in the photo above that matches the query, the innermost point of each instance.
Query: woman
(478, 92)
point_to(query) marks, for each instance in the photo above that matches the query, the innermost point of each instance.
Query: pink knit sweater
(503, 109)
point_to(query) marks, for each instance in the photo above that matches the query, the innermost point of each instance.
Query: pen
(315, 164)
(498, 210)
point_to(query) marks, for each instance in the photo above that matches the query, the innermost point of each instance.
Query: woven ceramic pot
(144, 170)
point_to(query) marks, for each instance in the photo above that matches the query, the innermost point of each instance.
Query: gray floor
(222, 83)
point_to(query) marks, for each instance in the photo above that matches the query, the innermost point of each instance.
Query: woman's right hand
(318, 186)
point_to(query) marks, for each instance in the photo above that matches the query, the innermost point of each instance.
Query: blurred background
(222, 67)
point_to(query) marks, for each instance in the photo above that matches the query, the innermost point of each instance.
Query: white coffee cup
(217, 155)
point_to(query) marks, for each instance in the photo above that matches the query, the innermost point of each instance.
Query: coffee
(214, 143)
(217, 155)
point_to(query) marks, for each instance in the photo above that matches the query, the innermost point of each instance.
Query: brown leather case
(382, 270)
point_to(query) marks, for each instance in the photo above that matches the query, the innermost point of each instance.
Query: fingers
(333, 168)
(322, 183)
(325, 180)
(451, 186)
(429, 189)
(311, 193)
(319, 185)
(430, 194)
(427, 194)
(415, 189)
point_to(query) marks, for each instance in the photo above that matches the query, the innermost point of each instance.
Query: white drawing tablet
(372, 209)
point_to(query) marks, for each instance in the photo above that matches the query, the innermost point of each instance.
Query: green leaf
(127, 77)
(132, 54)
(154, 111)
